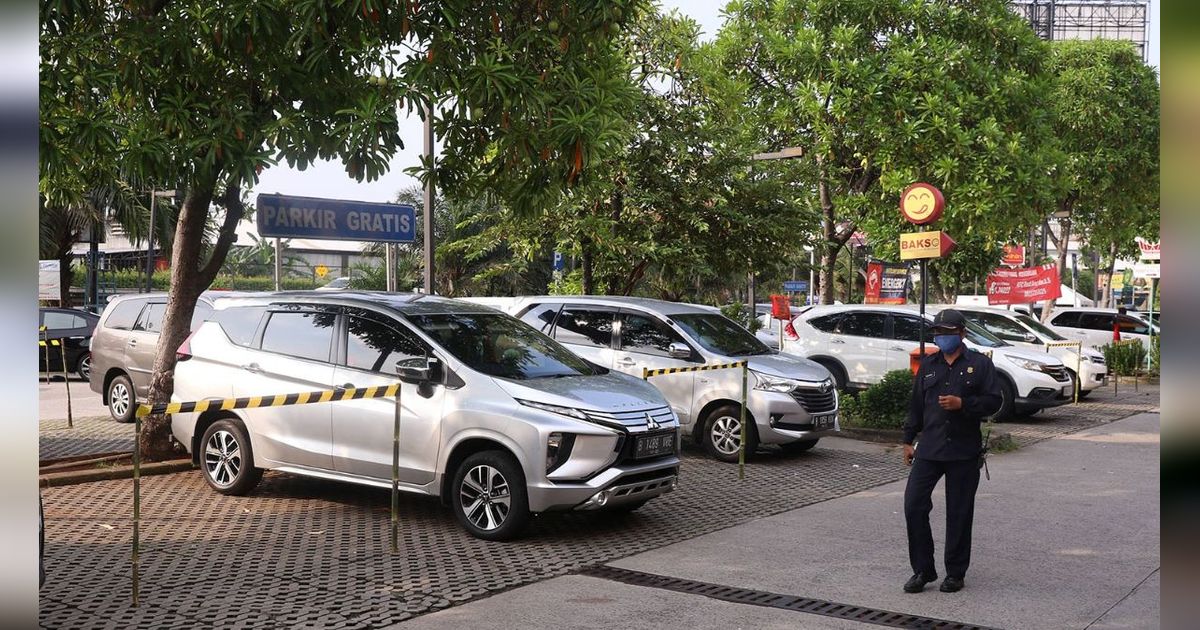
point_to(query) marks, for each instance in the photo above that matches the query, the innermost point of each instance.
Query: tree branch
(234, 211)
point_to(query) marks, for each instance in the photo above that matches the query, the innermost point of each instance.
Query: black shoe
(951, 584)
(917, 582)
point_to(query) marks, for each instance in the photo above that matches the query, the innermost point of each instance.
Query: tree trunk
(189, 277)
(1062, 243)
(64, 278)
(1109, 302)
(830, 246)
(585, 245)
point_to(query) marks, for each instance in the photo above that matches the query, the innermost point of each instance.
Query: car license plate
(1069, 391)
(823, 422)
(654, 445)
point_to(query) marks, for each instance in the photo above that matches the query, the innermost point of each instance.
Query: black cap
(949, 319)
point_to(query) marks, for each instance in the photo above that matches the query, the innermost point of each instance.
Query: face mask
(948, 344)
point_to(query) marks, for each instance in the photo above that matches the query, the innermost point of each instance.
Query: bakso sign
(282, 216)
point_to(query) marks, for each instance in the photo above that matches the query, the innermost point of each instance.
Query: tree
(882, 94)
(1106, 118)
(207, 93)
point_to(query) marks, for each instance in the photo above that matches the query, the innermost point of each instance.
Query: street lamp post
(782, 154)
(154, 195)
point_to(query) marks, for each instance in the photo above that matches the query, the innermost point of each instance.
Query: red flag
(791, 331)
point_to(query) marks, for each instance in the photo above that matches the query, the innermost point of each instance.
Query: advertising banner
(887, 283)
(925, 245)
(1150, 251)
(780, 308)
(1014, 255)
(1023, 286)
(49, 280)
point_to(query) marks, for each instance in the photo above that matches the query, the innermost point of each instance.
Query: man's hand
(909, 453)
(950, 403)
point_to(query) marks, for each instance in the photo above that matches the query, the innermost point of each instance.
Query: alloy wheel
(119, 399)
(726, 435)
(485, 498)
(222, 458)
(85, 367)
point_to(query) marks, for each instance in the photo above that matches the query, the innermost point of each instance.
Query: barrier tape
(1078, 346)
(278, 400)
(1064, 344)
(646, 373)
(53, 342)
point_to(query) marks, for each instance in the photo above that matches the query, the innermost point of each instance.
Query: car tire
(839, 375)
(802, 446)
(1084, 393)
(122, 403)
(489, 497)
(721, 435)
(227, 458)
(1008, 395)
(83, 367)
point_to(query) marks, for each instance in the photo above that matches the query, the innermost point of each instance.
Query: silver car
(123, 347)
(791, 400)
(497, 419)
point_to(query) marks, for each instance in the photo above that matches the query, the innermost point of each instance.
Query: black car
(73, 328)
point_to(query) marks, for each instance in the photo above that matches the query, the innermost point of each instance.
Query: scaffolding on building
(1088, 19)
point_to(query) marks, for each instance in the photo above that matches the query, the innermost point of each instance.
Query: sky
(329, 179)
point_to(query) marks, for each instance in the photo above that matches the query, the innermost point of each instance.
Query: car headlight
(770, 383)
(1030, 364)
(570, 412)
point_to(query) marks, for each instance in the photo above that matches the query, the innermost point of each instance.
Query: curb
(56, 479)
(885, 436)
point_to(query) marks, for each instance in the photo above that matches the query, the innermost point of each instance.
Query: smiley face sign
(921, 203)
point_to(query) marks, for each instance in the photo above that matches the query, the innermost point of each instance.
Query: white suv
(791, 402)
(1022, 330)
(861, 343)
(1094, 326)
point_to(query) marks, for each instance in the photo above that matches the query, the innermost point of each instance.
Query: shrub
(1124, 357)
(1155, 356)
(741, 314)
(884, 405)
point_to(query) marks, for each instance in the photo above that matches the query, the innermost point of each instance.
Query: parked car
(124, 344)
(1094, 326)
(1022, 330)
(497, 419)
(337, 284)
(861, 343)
(73, 328)
(791, 400)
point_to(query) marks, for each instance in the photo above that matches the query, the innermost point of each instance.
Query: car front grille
(632, 419)
(814, 401)
(1058, 373)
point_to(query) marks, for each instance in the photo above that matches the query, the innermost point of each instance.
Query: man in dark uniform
(954, 389)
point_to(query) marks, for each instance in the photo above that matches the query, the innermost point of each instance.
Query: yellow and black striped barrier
(1078, 346)
(647, 373)
(278, 400)
(42, 343)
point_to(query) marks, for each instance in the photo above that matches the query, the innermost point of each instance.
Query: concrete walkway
(1066, 536)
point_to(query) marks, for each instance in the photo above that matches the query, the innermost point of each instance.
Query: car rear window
(124, 314)
(239, 323)
(826, 323)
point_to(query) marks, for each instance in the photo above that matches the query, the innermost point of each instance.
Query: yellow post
(137, 497)
(396, 475)
(742, 446)
(62, 349)
(1078, 370)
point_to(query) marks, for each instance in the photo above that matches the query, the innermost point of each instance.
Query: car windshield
(720, 335)
(1040, 328)
(977, 335)
(499, 345)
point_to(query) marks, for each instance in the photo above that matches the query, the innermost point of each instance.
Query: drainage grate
(775, 600)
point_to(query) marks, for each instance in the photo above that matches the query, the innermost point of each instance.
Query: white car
(861, 343)
(1094, 326)
(791, 401)
(1022, 330)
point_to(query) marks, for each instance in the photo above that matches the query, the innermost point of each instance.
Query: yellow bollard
(62, 348)
(396, 476)
(742, 446)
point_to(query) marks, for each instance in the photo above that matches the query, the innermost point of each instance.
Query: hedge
(161, 280)
(1125, 358)
(884, 405)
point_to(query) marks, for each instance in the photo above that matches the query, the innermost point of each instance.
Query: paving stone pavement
(90, 436)
(309, 553)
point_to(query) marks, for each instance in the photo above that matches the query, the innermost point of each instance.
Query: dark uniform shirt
(951, 435)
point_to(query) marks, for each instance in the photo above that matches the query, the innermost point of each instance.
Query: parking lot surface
(308, 553)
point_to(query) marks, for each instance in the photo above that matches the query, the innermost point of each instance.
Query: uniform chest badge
(971, 370)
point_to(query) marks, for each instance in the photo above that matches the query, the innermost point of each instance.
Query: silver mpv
(497, 419)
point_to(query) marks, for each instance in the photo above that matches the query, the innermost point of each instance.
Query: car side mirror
(418, 371)
(679, 350)
(1030, 338)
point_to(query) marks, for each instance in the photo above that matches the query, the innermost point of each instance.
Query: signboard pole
(1149, 318)
(428, 236)
(278, 263)
(389, 264)
(924, 298)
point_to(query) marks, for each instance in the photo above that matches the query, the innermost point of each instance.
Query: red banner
(1024, 286)
(780, 308)
(1013, 255)
(887, 283)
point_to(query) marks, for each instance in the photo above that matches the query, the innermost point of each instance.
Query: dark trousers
(962, 479)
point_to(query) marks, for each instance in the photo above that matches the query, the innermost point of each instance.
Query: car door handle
(626, 362)
(252, 368)
(836, 341)
(343, 387)
(897, 348)
(132, 343)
